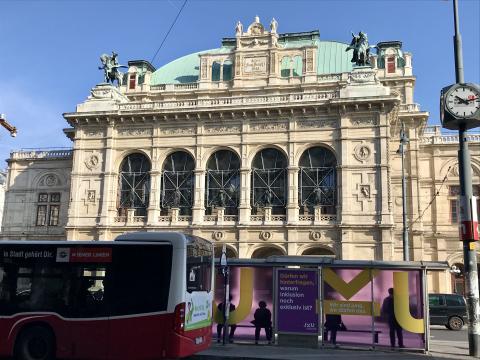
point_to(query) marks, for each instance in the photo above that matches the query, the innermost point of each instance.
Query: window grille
(134, 185)
(177, 183)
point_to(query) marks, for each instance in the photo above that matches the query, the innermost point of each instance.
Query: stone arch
(264, 251)
(123, 155)
(257, 149)
(166, 153)
(232, 252)
(202, 163)
(301, 150)
(41, 179)
(318, 250)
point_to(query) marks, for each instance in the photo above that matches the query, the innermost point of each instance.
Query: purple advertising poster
(297, 295)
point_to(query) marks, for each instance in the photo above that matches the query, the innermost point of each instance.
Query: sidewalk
(440, 350)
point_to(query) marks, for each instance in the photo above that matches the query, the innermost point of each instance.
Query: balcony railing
(31, 154)
(409, 107)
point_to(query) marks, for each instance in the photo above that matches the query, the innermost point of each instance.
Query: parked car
(447, 309)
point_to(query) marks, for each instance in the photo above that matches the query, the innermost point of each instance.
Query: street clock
(460, 106)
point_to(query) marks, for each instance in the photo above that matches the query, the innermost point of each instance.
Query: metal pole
(469, 251)
(403, 142)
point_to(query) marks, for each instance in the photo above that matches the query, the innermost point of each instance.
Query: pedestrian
(388, 312)
(263, 319)
(333, 323)
(220, 326)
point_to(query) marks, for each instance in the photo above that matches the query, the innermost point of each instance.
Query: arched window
(177, 183)
(223, 182)
(230, 252)
(285, 67)
(318, 251)
(297, 66)
(317, 181)
(269, 181)
(216, 71)
(134, 184)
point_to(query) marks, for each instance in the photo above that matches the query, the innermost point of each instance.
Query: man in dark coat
(220, 326)
(333, 323)
(388, 311)
(263, 319)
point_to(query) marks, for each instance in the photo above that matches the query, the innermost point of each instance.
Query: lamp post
(403, 142)
(226, 298)
(460, 110)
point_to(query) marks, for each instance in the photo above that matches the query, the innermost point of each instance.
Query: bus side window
(88, 292)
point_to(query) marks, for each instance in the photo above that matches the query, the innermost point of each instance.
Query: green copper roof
(331, 58)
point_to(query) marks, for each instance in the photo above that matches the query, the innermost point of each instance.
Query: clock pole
(466, 194)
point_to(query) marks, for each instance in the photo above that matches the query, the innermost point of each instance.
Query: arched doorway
(318, 251)
(266, 251)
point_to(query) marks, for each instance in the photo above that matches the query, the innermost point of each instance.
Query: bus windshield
(199, 265)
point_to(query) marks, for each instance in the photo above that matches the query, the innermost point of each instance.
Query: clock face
(463, 101)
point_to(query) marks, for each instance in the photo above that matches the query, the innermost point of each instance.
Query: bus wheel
(35, 343)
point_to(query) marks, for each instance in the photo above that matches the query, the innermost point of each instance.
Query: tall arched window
(177, 183)
(317, 181)
(223, 181)
(227, 70)
(216, 71)
(269, 181)
(134, 184)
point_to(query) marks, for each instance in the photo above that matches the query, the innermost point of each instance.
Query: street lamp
(226, 298)
(460, 110)
(10, 128)
(403, 142)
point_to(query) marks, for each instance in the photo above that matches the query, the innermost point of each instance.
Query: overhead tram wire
(168, 32)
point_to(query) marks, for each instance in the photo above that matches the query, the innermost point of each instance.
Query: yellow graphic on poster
(348, 290)
(245, 302)
(401, 298)
(337, 307)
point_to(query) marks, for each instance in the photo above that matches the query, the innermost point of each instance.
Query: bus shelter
(315, 299)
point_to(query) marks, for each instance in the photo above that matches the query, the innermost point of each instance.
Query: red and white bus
(146, 295)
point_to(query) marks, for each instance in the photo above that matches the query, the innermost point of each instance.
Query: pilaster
(198, 209)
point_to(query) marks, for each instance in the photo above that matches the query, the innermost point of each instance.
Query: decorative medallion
(315, 235)
(51, 180)
(362, 152)
(218, 235)
(265, 235)
(365, 191)
(92, 162)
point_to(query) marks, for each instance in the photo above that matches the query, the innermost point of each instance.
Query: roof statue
(361, 49)
(239, 29)
(257, 19)
(110, 67)
(273, 26)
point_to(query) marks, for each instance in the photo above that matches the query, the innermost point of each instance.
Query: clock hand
(462, 101)
(468, 100)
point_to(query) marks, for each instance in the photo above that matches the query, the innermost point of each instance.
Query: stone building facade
(272, 144)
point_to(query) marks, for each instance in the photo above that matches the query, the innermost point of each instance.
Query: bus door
(139, 323)
(89, 328)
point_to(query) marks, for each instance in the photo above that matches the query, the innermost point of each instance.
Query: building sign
(255, 65)
(297, 295)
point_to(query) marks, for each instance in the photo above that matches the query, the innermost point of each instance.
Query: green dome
(331, 58)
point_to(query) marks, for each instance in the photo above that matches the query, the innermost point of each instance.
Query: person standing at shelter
(333, 323)
(388, 312)
(220, 308)
(263, 319)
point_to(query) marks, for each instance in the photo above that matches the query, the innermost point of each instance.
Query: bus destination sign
(84, 255)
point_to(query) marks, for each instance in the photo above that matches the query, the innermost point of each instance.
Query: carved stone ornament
(365, 191)
(92, 162)
(179, 131)
(362, 152)
(91, 195)
(268, 126)
(94, 133)
(265, 235)
(127, 132)
(222, 129)
(315, 235)
(51, 180)
(312, 124)
(364, 121)
(218, 235)
(107, 92)
(363, 76)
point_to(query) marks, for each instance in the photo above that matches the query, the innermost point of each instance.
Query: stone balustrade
(27, 154)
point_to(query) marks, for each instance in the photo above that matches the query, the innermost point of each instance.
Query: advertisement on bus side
(198, 310)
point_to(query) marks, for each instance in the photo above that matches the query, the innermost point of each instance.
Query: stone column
(155, 192)
(244, 206)
(221, 71)
(292, 205)
(198, 210)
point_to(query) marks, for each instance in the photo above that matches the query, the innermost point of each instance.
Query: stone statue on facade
(177, 196)
(317, 196)
(110, 68)
(273, 26)
(361, 49)
(222, 198)
(239, 29)
(267, 197)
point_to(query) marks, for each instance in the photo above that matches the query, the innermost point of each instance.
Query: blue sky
(49, 50)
